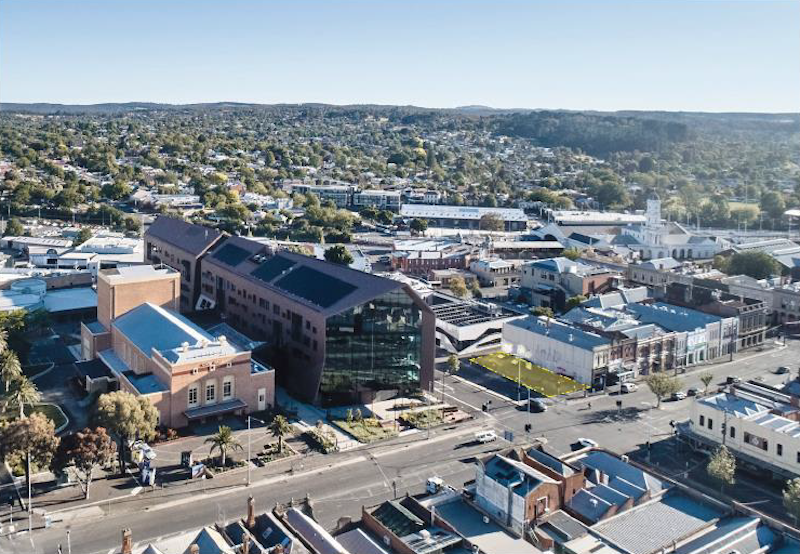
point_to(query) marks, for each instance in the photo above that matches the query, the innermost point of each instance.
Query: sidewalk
(118, 495)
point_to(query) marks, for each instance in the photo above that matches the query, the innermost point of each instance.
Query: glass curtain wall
(373, 346)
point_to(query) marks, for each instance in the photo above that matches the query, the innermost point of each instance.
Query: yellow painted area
(530, 376)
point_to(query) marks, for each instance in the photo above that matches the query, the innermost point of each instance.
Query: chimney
(127, 542)
(251, 512)
(194, 549)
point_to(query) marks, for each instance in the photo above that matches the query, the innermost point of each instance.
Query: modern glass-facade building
(376, 345)
(336, 335)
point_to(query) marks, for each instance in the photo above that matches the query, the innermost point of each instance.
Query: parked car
(680, 395)
(587, 443)
(537, 405)
(733, 379)
(628, 387)
(485, 436)
(692, 391)
(783, 370)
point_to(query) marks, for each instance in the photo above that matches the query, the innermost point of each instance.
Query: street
(340, 484)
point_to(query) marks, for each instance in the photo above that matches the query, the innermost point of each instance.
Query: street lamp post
(249, 441)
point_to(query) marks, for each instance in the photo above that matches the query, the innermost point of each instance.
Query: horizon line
(476, 107)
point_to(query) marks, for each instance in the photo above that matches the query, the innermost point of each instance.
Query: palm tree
(223, 440)
(280, 427)
(23, 391)
(10, 368)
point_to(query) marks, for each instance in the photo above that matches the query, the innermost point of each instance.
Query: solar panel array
(231, 254)
(315, 286)
(270, 269)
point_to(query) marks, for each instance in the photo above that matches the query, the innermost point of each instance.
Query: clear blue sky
(715, 55)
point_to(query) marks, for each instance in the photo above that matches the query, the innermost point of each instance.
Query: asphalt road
(343, 483)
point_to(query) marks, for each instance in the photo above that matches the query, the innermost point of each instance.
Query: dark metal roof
(189, 237)
(320, 285)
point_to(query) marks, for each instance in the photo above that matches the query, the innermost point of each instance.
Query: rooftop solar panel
(315, 286)
(270, 269)
(231, 254)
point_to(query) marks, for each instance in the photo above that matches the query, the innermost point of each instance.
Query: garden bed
(423, 419)
(212, 465)
(270, 454)
(323, 441)
(366, 430)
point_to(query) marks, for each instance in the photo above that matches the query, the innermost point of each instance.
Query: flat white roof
(63, 300)
(131, 274)
(587, 217)
(460, 212)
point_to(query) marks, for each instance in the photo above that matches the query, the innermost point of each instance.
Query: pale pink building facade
(188, 373)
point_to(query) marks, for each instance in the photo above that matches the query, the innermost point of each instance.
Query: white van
(485, 436)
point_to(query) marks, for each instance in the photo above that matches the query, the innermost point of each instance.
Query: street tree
(571, 253)
(758, 265)
(706, 379)
(223, 440)
(662, 385)
(10, 368)
(791, 499)
(419, 225)
(128, 417)
(458, 287)
(491, 222)
(339, 254)
(85, 450)
(773, 204)
(574, 301)
(33, 437)
(280, 427)
(83, 235)
(722, 467)
(14, 228)
(22, 392)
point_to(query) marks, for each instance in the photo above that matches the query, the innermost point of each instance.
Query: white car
(485, 436)
(628, 387)
(587, 443)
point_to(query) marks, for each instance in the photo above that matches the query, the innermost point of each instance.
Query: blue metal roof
(670, 317)
(561, 332)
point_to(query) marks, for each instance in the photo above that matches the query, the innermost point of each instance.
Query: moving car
(587, 443)
(733, 379)
(537, 405)
(628, 387)
(680, 395)
(783, 370)
(692, 391)
(485, 436)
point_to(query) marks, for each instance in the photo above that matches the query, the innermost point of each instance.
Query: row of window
(210, 392)
(752, 440)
